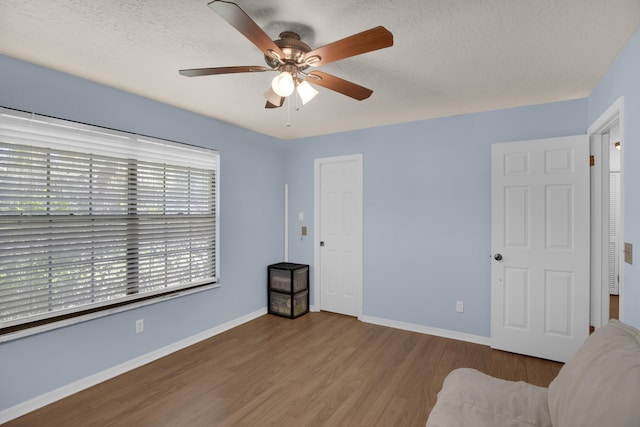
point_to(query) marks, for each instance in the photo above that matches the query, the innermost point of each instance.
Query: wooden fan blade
(339, 85)
(238, 19)
(195, 72)
(366, 41)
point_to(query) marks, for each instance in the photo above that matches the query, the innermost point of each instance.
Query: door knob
(497, 257)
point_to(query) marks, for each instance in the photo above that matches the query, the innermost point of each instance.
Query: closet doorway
(616, 244)
(607, 219)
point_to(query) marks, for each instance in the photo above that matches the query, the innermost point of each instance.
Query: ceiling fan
(291, 57)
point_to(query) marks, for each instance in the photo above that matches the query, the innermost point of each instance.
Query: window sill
(101, 313)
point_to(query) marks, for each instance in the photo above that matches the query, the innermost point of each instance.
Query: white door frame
(600, 214)
(316, 227)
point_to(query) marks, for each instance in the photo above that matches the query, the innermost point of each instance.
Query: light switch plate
(628, 253)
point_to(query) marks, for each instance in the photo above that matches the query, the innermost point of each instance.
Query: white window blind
(91, 218)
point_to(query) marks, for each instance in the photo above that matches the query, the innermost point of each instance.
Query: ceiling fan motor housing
(293, 49)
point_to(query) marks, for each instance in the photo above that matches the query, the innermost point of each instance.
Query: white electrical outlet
(459, 306)
(139, 326)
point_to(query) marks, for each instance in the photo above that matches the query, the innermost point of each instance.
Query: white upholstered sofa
(599, 386)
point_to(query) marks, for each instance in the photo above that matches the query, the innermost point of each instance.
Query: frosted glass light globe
(282, 84)
(306, 92)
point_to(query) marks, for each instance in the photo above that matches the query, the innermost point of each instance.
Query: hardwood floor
(614, 307)
(321, 369)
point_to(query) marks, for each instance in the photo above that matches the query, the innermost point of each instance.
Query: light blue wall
(623, 79)
(426, 208)
(251, 214)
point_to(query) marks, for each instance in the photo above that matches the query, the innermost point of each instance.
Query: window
(92, 218)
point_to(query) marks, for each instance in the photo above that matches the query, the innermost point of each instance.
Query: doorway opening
(615, 221)
(607, 219)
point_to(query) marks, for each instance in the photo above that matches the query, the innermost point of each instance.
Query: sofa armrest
(471, 398)
(600, 384)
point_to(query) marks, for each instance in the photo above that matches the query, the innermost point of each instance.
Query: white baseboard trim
(445, 333)
(84, 383)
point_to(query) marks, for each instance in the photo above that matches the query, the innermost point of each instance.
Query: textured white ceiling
(449, 56)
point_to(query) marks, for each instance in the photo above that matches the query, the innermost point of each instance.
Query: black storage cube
(288, 288)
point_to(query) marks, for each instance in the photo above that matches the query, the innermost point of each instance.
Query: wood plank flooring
(614, 307)
(321, 369)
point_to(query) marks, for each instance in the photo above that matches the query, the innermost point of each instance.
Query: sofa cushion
(471, 398)
(600, 384)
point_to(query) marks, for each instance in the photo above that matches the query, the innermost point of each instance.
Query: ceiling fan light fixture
(306, 92)
(272, 97)
(282, 84)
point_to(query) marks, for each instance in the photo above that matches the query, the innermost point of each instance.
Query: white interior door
(540, 243)
(339, 232)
